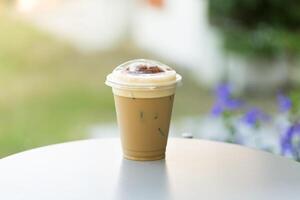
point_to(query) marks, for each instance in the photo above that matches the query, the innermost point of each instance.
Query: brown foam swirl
(144, 69)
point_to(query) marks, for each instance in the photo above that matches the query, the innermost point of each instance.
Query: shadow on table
(143, 180)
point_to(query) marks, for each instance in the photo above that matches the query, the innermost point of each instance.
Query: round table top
(193, 169)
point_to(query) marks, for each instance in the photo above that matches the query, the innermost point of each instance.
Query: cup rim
(118, 85)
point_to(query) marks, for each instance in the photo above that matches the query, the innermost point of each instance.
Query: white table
(193, 169)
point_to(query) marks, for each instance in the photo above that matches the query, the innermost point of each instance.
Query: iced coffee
(144, 94)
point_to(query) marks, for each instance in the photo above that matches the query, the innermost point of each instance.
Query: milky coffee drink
(144, 93)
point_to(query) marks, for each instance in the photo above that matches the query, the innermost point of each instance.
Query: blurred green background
(55, 55)
(51, 93)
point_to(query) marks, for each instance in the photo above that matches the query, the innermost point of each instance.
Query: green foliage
(258, 27)
(294, 114)
(228, 118)
(52, 93)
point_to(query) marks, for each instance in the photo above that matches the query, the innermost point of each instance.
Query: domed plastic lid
(142, 74)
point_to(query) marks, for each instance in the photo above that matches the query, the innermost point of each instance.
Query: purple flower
(253, 116)
(224, 101)
(284, 103)
(217, 109)
(233, 104)
(287, 141)
(223, 92)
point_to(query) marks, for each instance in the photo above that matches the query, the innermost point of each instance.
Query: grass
(52, 93)
(49, 92)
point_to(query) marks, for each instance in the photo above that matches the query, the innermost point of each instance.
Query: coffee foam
(143, 78)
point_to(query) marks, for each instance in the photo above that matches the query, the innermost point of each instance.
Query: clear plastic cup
(144, 93)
